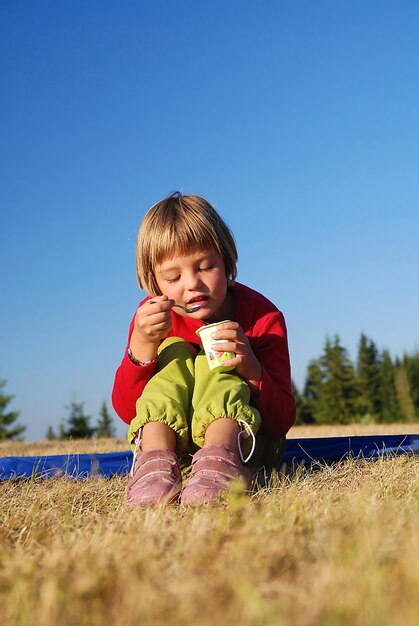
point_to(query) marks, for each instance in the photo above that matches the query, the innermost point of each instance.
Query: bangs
(181, 239)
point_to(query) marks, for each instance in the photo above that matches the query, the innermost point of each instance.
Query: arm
(262, 360)
(274, 399)
(149, 326)
(130, 380)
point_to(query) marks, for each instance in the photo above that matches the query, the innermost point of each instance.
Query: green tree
(390, 411)
(404, 395)
(8, 427)
(311, 393)
(105, 427)
(77, 423)
(338, 399)
(50, 434)
(369, 379)
(411, 365)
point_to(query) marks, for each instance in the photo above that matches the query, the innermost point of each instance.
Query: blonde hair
(176, 226)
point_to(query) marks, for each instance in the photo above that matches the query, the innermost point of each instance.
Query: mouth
(201, 300)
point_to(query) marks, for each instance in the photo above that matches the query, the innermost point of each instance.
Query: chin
(203, 316)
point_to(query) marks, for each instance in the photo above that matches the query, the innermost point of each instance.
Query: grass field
(329, 546)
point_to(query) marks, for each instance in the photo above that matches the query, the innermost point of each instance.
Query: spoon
(187, 309)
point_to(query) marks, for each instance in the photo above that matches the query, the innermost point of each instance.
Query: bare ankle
(157, 436)
(223, 431)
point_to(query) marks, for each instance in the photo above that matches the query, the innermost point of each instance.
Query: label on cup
(215, 359)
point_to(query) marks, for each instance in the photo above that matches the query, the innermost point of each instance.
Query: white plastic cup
(215, 359)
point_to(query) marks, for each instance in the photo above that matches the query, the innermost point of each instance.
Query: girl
(175, 405)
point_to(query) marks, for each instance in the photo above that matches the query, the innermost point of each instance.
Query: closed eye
(172, 280)
(206, 269)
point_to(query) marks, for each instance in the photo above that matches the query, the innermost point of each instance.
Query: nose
(192, 281)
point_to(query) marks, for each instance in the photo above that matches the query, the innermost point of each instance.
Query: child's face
(196, 278)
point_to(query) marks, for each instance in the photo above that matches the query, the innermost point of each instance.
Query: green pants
(187, 396)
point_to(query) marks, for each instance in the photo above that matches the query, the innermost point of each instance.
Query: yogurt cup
(215, 360)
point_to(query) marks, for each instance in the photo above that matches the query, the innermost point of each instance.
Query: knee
(176, 347)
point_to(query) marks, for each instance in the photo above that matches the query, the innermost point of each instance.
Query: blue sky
(296, 119)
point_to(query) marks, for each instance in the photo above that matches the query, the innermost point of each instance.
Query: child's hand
(246, 364)
(152, 323)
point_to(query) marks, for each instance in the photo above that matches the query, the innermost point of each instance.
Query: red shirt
(265, 328)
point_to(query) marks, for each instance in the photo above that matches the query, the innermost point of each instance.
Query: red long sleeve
(130, 380)
(275, 401)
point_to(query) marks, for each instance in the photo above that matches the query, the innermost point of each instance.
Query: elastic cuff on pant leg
(200, 423)
(181, 431)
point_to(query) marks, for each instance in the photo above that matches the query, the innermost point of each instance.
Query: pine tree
(338, 397)
(105, 427)
(8, 428)
(369, 379)
(404, 395)
(390, 405)
(50, 434)
(311, 392)
(411, 365)
(77, 423)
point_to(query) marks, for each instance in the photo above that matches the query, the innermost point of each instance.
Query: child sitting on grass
(164, 389)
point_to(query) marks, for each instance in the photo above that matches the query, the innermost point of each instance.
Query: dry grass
(76, 446)
(352, 430)
(327, 547)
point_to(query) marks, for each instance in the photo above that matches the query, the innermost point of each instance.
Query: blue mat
(297, 451)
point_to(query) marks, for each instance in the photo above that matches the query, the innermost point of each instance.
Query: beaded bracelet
(137, 362)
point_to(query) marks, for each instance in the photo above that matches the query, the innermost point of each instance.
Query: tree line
(75, 426)
(374, 389)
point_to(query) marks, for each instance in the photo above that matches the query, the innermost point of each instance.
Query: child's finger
(232, 334)
(228, 326)
(225, 346)
(232, 362)
(161, 303)
(237, 347)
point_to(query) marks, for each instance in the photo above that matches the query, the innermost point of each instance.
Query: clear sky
(297, 119)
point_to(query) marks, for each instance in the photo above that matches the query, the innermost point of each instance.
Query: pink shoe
(155, 478)
(213, 470)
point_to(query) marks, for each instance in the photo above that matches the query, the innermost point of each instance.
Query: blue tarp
(297, 451)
